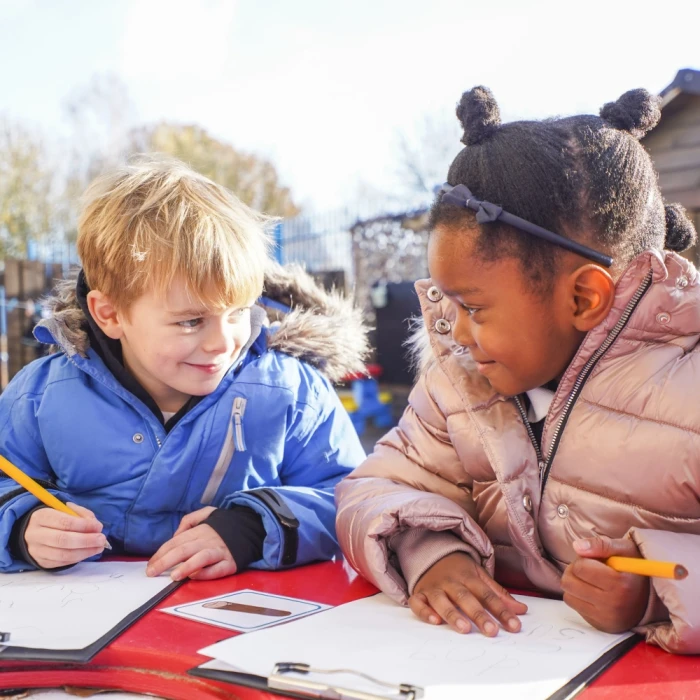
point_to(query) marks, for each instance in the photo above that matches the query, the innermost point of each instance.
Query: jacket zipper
(232, 441)
(545, 464)
(239, 405)
(530, 432)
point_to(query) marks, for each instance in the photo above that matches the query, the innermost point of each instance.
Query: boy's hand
(457, 590)
(605, 598)
(193, 519)
(56, 539)
(197, 548)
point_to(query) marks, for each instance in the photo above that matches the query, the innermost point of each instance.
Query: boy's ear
(105, 315)
(592, 292)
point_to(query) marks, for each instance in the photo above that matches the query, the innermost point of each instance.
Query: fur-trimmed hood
(322, 328)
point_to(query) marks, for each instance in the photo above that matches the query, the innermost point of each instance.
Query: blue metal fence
(322, 241)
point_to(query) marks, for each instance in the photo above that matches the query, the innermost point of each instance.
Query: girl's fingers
(446, 609)
(581, 606)
(474, 608)
(594, 573)
(501, 604)
(419, 605)
(516, 606)
(492, 602)
(578, 588)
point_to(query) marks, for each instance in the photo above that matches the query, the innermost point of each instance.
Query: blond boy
(180, 425)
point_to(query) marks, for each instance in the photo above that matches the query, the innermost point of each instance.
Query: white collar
(540, 401)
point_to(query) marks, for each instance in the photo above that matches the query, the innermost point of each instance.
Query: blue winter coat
(274, 421)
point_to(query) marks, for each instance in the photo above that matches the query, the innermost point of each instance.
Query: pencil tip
(680, 572)
(108, 546)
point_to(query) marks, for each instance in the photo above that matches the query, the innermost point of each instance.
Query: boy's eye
(239, 313)
(190, 323)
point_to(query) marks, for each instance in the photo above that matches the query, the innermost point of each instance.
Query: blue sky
(325, 89)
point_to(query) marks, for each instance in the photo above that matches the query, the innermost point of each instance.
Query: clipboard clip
(312, 689)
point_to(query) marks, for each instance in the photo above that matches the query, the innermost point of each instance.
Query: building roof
(687, 81)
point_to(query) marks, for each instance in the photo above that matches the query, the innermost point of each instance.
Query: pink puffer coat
(621, 446)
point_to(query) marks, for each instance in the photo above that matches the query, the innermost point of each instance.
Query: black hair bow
(487, 212)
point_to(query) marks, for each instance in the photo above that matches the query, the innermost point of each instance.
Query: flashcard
(245, 611)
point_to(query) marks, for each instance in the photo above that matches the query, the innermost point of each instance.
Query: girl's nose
(461, 331)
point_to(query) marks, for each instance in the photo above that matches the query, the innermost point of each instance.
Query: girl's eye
(469, 309)
(190, 323)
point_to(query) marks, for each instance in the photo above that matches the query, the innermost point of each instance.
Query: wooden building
(674, 145)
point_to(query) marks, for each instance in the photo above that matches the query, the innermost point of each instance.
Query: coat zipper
(530, 432)
(239, 405)
(232, 441)
(545, 465)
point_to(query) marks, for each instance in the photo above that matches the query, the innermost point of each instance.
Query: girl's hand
(460, 592)
(195, 550)
(56, 539)
(608, 600)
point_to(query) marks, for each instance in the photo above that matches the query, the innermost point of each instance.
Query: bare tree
(424, 156)
(26, 188)
(100, 115)
(250, 177)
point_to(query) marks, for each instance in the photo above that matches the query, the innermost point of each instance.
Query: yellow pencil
(48, 499)
(647, 567)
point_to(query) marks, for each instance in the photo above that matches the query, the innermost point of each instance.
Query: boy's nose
(217, 342)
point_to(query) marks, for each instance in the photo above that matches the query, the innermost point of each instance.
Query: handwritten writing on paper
(73, 608)
(384, 640)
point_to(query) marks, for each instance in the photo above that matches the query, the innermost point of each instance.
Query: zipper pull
(239, 404)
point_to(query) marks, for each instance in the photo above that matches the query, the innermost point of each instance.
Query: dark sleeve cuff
(18, 545)
(242, 531)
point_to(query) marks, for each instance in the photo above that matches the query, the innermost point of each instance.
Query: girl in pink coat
(556, 418)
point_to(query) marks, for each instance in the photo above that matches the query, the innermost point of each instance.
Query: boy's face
(176, 349)
(519, 339)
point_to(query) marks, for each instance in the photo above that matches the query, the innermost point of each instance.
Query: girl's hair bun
(680, 232)
(637, 111)
(479, 115)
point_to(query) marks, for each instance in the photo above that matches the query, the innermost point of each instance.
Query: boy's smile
(176, 349)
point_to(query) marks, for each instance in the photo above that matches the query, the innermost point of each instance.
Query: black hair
(584, 177)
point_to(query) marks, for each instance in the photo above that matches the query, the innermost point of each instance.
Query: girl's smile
(518, 337)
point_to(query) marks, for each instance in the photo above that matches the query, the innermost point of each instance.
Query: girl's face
(519, 338)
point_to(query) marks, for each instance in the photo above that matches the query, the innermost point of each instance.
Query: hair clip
(486, 212)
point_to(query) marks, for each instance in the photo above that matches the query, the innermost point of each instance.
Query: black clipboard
(10, 653)
(589, 674)
(304, 691)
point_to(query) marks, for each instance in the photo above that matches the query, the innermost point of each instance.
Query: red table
(154, 655)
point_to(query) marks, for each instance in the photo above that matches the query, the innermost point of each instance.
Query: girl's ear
(592, 292)
(105, 314)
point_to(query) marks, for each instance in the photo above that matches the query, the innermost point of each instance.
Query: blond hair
(145, 224)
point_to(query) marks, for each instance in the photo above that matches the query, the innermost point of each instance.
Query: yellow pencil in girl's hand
(48, 499)
(647, 567)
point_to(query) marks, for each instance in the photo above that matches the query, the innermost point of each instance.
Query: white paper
(71, 609)
(242, 621)
(386, 641)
